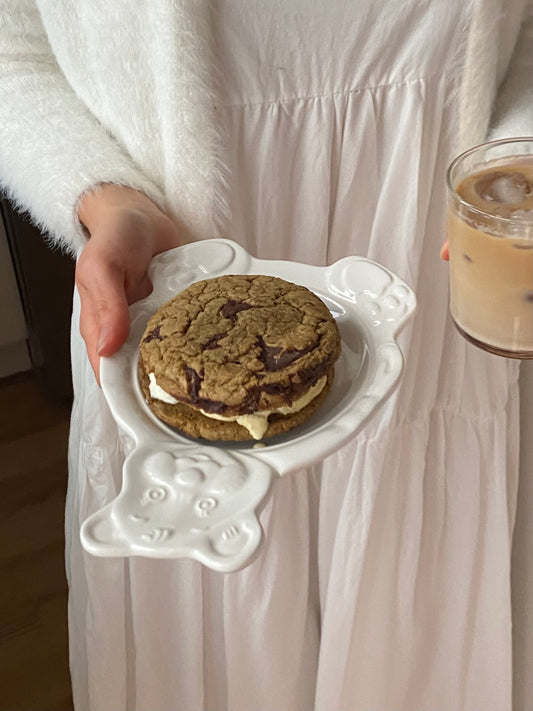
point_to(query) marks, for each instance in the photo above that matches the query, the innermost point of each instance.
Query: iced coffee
(490, 235)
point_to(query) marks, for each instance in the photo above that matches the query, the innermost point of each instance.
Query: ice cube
(504, 188)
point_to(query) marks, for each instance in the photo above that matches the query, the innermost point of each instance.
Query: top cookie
(238, 344)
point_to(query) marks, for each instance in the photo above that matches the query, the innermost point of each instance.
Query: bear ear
(101, 536)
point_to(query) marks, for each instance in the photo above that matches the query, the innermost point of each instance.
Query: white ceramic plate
(184, 498)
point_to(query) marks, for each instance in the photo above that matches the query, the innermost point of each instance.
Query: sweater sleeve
(52, 149)
(513, 109)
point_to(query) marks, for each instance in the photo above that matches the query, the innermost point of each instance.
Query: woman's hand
(444, 252)
(126, 230)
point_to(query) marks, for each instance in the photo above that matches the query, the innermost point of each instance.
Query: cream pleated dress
(383, 581)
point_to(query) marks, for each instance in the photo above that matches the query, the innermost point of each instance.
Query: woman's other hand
(126, 230)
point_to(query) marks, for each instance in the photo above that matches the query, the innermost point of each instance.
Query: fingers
(104, 318)
(444, 252)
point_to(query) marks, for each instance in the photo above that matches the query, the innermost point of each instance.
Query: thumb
(111, 314)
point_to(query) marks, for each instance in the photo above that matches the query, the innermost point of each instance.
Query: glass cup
(490, 238)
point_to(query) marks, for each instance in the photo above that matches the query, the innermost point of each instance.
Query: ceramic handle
(197, 502)
(382, 298)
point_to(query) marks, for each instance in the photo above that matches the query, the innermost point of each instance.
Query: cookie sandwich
(238, 357)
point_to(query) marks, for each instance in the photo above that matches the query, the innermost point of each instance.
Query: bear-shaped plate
(200, 500)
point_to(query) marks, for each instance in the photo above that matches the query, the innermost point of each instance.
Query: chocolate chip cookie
(238, 357)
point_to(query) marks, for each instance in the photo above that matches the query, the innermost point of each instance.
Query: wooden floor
(33, 591)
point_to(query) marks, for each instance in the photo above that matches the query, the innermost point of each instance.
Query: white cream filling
(256, 424)
(158, 393)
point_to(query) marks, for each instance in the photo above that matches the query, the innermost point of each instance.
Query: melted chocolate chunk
(214, 406)
(310, 376)
(272, 388)
(231, 308)
(194, 382)
(275, 358)
(154, 335)
(251, 402)
(212, 343)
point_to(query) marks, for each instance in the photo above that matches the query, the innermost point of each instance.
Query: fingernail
(102, 340)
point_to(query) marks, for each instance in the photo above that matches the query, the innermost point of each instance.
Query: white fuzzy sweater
(73, 115)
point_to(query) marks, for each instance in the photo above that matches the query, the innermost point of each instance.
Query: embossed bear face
(200, 505)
